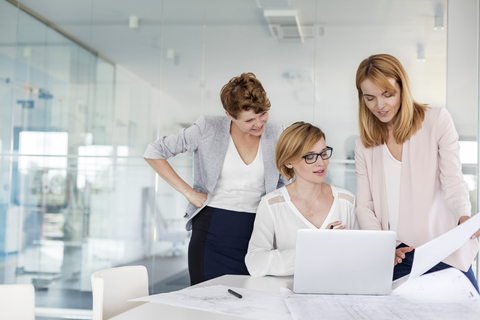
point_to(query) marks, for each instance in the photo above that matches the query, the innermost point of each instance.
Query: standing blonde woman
(306, 203)
(233, 168)
(409, 175)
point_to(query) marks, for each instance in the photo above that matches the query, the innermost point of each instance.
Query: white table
(159, 311)
(446, 288)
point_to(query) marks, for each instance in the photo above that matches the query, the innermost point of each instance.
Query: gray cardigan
(208, 138)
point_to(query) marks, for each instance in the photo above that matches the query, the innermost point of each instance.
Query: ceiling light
(133, 22)
(438, 22)
(284, 25)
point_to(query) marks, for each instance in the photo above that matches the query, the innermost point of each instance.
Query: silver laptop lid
(344, 261)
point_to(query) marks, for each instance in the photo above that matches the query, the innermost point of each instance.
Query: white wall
(462, 66)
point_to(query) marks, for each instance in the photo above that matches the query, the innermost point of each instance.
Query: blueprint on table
(254, 304)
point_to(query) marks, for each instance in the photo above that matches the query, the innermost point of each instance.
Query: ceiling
(188, 49)
(182, 24)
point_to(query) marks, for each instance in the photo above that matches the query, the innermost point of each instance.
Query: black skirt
(219, 243)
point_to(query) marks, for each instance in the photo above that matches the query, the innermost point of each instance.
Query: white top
(239, 186)
(271, 250)
(392, 168)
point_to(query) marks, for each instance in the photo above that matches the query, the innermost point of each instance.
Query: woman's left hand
(465, 218)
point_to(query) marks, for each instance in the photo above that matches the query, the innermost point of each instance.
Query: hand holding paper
(431, 253)
(400, 254)
(465, 218)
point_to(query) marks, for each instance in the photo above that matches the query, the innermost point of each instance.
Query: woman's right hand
(196, 198)
(166, 172)
(400, 254)
(337, 225)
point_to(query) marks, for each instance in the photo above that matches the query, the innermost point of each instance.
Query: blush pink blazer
(433, 194)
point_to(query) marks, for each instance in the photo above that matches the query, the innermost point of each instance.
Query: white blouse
(239, 186)
(392, 168)
(271, 250)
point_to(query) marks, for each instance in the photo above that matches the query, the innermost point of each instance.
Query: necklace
(309, 211)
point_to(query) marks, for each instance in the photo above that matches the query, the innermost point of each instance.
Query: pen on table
(238, 295)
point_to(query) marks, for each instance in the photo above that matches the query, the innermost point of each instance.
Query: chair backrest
(112, 288)
(17, 301)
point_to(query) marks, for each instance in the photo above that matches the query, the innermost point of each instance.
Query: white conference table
(160, 311)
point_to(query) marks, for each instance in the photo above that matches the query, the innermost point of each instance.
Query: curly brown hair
(244, 93)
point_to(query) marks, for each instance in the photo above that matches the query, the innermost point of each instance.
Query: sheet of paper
(445, 286)
(431, 253)
(254, 304)
(339, 307)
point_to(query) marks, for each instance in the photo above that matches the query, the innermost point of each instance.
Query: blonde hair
(378, 68)
(296, 141)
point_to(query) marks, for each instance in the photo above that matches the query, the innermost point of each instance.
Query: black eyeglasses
(313, 157)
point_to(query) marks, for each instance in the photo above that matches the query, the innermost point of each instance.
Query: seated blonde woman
(306, 203)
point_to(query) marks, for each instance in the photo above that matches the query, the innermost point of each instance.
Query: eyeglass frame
(319, 154)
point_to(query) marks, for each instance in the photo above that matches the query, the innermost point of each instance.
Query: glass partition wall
(86, 85)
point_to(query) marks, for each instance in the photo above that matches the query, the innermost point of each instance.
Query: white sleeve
(346, 210)
(262, 257)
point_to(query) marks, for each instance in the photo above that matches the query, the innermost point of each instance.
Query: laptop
(344, 261)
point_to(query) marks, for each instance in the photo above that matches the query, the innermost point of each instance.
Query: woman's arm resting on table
(262, 258)
(166, 172)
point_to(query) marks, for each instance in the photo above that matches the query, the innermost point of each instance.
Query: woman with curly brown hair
(234, 166)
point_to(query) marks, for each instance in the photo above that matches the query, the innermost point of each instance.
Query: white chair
(17, 302)
(112, 288)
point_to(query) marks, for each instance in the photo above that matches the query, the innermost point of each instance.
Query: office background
(85, 85)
